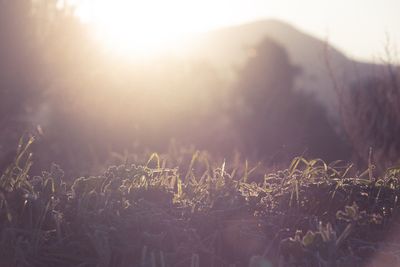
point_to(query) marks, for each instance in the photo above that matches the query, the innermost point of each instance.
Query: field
(248, 141)
(310, 214)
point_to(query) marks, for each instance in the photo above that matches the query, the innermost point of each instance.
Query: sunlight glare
(141, 27)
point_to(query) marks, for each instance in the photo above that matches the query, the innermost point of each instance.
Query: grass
(310, 214)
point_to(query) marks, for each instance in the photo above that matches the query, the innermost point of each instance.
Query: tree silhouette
(371, 118)
(17, 72)
(29, 32)
(275, 121)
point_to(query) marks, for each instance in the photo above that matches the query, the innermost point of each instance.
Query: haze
(361, 28)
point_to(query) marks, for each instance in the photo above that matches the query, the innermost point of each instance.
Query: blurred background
(99, 81)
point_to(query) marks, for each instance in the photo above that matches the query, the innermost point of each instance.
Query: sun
(144, 27)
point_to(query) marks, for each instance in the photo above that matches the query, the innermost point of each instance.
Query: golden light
(144, 27)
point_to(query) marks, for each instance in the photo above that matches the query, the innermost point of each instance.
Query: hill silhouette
(228, 48)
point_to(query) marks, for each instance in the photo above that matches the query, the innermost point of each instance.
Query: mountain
(228, 48)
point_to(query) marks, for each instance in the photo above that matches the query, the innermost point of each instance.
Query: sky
(360, 28)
